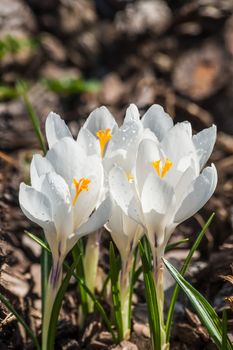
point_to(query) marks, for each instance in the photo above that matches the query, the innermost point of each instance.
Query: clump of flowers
(139, 181)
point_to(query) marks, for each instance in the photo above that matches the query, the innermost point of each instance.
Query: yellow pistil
(104, 136)
(80, 185)
(166, 167)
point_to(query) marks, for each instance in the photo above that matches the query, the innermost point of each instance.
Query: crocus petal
(39, 166)
(100, 119)
(97, 219)
(55, 129)
(179, 149)
(158, 205)
(184, 186)
(157, 194)
(148, 152)
(157, 121)
(122, 145)
(88, 141)
(203, 188)
(124, 231)
(115, 223)
(132, 113)
(68, 159)
(177, 143)
(35, 205)
(56, 189)
(87, 200)
(204, 143)
(123, 193)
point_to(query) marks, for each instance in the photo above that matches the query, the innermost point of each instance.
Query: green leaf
(37, 240)
(11, 45)
(151, 299)
(97, 304)
(114, 274)
(205, 312)
(133, 278)
(57, 304)
(183, 271)
(22, 91)
(11, 308)
(7, 92)
(45, 262)
(79, 251)
(107, 279)
(71, 86)
(173, 245)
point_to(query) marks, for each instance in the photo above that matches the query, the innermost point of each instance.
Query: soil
(175, 53)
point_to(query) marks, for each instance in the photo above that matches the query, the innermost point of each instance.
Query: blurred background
(75, 55)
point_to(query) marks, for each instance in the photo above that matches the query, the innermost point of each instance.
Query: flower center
(162, 170)
(104, 136)
(130, 178)
(80, 185)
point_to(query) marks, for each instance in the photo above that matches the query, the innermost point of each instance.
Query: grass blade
(114, 274)
(45, 265)
(172, 246)
(151, 299)
(76, 252)
(22, 90)
(182, 272)
(133, 279)
(37, 240)
(71, 86)
(11, 308)
(97, 304)
(57, 304)
(45, 260)
(206, 313)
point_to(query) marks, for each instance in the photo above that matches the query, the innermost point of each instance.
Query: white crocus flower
(170, 182)
(93, 138)
(63, 197)
(124, 231)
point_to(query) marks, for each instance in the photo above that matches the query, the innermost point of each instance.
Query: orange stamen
(80, 185)
(156, 165)
(104, 136)
(166, 167)
(130, 178)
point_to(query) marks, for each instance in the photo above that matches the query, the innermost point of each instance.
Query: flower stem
(159, 285)
(53, 286)
(91, 259)
(125, 297)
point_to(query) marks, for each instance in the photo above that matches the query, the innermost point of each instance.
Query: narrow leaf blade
(114, 274)
(11, 308)
(183, 271)
(206, 313)
(57, 304)
(151, 299)
(97, 304)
